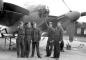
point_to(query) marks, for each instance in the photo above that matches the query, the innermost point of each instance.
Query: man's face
(21, 23)
(29, 24)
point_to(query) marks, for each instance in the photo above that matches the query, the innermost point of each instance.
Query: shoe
(46, 55)
(39, 56)
(22, 56)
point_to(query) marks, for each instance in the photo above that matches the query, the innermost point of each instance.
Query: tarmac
(78, 51)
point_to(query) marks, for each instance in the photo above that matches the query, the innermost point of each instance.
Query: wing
(15, 8)
(68, 22)
(9, 18)
(11, 14)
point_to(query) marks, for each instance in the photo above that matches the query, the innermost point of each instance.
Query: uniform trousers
(20, 46)
(27, 47)
(35, 45)
(56, 49)
(49, 47)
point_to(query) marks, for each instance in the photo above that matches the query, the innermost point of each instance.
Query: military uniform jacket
(58, 34)
(28, 33)
(36, 35)
(21, 33)
(51, 32)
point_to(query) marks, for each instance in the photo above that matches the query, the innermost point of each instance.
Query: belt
(27, 34)
(21, 34)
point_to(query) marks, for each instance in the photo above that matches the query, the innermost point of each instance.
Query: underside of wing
(15, 8)
(54, 20)
(9, 18)
(11, 14)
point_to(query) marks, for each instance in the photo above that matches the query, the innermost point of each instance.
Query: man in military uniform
(57, 41)
(50, 40)
(20, 40)
(35, 40)
(28, 31)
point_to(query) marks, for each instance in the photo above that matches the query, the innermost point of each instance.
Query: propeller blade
(83, 14)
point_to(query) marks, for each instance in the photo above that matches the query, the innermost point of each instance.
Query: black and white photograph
(42, 30)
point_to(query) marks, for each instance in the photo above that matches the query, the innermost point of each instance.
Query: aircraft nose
(74, 15)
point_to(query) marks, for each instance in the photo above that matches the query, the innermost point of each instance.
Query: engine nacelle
(73, 16)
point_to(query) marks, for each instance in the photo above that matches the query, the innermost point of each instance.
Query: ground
(77, 53)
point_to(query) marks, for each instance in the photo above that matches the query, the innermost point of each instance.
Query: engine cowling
(73, 15)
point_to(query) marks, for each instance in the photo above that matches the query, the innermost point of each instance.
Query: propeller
(83, 14)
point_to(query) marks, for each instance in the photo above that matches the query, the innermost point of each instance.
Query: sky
(56, 7)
